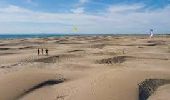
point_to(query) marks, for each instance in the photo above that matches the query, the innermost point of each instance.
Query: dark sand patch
(105, 53)
(41, 85)
(75, 51)
(14, 48)
(100, 46)
(121, 59)
(2, 54)
(57, 58)
(9, 66)
(5, 48)
(77, 67)
(113, 60)
(157, 42)
(27, 47)
(149, 86)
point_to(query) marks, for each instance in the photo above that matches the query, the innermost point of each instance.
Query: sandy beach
(83, 67)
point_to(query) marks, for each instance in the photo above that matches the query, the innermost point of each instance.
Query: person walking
(38, 51)
(46, 51)
(42, 51)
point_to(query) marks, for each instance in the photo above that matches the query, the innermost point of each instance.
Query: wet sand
(83, 68)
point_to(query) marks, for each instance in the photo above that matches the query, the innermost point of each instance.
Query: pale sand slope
(79, 60)
(111, 85)
(162, 93)
(15, 84)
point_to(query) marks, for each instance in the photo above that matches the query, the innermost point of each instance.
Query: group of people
(42, 51)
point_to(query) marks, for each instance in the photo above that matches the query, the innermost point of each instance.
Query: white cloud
(117, 19)
(79, 7)
(124, 8)
(78, 10)
(13, 9)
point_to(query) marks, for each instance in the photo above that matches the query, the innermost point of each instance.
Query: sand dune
(162, 93)
(16, 84)
(83, 67)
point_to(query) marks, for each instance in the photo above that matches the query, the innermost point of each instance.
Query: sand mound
(26, 47)
(92, 74)
(17, 84)
(149, 86)
(157, 42)
(162, 93)
(52, 59)
(114, 60)
(41, 85)
(9, 66)
(76, 67)
(14, 48)
(100, 46)
(57, 58)
(2, 54)
(75, 51)
(5, 48)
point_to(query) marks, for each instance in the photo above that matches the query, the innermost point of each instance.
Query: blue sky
(89, 16)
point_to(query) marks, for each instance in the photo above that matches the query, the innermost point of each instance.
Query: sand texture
(83, 67)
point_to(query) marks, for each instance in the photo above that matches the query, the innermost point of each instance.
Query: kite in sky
(75, 29)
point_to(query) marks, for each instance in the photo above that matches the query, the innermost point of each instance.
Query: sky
(88, 16)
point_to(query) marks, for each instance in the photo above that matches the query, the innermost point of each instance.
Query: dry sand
(162, 93)
(83, 68)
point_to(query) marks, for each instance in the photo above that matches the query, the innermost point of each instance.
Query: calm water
(20, 36)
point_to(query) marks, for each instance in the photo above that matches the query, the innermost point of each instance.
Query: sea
(22, 36)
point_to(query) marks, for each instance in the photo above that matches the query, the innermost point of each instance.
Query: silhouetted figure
(46, 51)
(42, 51)
(38, 51)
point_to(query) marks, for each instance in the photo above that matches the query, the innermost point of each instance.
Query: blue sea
(21, 36)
